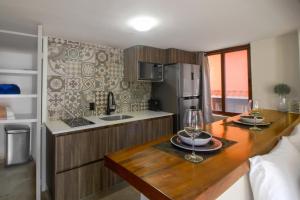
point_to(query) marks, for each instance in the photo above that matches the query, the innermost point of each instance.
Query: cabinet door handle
(192, 75)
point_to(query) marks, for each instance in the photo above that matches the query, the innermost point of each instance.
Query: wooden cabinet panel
(77, 149)
(167, 125)
(155, 128)
(67, 152)
(151, 54)
(84, 181)
(135, 54)
(79, 169)
(181, 56)
(133, 134)
(107, 177)
(67, 185)
(114, 138)
(89, 143)
(95, 177)
(130, 64)
(87, 178)
(138, 53)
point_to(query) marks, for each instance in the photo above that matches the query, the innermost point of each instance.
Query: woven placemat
(168, 147)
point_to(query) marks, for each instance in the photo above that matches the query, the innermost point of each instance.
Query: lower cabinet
(84, 181)
(75, 159)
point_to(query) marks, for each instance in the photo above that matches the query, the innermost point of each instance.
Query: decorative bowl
(200, 140)
(250, 119)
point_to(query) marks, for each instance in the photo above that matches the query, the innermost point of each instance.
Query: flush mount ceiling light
(142, 23)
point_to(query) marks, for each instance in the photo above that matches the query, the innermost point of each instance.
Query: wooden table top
(160, 175)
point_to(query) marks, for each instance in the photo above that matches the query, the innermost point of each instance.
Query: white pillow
(295, 137)
(276, 176)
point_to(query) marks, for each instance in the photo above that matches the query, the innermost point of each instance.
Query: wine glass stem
(255, 121)
(193, 153)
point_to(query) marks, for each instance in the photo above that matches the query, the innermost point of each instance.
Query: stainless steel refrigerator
(179, 90)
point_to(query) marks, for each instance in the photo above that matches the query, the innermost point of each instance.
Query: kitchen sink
(116, 117)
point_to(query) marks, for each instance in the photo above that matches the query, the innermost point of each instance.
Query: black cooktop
(79, 121)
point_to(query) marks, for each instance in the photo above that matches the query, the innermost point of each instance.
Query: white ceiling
(185, 24)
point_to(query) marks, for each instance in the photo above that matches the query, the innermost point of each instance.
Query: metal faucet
(111, 105)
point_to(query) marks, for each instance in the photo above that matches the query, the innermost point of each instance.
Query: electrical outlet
(92, 106)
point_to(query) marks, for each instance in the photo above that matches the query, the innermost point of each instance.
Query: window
(230, 79)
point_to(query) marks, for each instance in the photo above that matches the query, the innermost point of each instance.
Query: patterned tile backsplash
(80, 73)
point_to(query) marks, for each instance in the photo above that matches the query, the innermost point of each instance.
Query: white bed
(240, 190)
(282, 179)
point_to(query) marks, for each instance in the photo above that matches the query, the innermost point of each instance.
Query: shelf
(20, 118)
(3, 96)
(18, 33)
(18, 71)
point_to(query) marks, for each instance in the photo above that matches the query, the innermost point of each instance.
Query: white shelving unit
(20, 118)
(18, 71)
(21, 64)
(18, 33)
(18, 96)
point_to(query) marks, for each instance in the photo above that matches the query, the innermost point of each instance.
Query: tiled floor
(127, 193)
(17, 182)
(119, 192)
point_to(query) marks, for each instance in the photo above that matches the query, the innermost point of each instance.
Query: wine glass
(247, 107)
(193, 125)
(255, 112)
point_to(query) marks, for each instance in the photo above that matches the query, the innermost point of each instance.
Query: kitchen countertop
(59, 127)
(161, 175)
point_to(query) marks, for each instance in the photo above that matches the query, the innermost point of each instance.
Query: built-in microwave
(150, 72)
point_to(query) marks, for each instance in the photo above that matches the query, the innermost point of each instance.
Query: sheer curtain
(205, 88)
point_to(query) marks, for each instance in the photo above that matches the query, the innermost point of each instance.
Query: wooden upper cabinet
(151, 54)
(138, 53)
(181, 56)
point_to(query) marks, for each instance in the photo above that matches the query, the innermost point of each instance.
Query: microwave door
(157, 71)
(150, 71)
(145, 71)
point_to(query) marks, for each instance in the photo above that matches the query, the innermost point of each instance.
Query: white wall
(275, 60)
(299, 47)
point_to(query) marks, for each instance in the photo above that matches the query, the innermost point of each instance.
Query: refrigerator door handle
(192, 75)
(179, 93)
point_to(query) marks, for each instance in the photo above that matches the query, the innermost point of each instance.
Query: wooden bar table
(161, 175)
